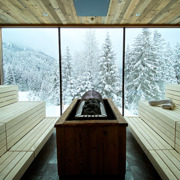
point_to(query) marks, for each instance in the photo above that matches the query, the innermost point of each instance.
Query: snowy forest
(150, 64)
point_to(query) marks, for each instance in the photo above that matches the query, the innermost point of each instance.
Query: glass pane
(30, 60)
(91, 59)
(152, 61)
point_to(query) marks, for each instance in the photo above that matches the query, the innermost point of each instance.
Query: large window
(31, 61)
(152, 61)
(91, 59)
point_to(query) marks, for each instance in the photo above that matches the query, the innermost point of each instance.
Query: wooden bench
(24, 130)
(164, 122)
(19, 118)
(3, 146)
(177, 140)
(164, 158)
(158, 133)
(173, 92)
(8, 95)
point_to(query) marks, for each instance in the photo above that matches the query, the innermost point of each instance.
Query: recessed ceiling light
(45, 14)
(138, 14)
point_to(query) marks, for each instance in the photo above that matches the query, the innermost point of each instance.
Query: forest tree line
(150, 64)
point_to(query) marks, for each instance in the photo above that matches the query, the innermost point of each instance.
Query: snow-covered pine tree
(71, 90)
(91, 56)
(54, 88)
(67, 75)
(9, 78)
(158, 47)
(109, 81)
(127, 76)
(84, 84)
(141, 68)
(86, 61)
(169, 65)
(177, 62)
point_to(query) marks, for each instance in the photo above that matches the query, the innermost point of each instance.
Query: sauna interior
(54, 51)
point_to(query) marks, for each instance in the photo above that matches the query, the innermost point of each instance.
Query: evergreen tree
(84, 84)
(54, 91)
(70, 91)
(67, 76)
(169, 65)
(141, 71)
(158, 53)
(177, 62)
(9, 78)
(87, 61)
(91, 56)
(109, 82)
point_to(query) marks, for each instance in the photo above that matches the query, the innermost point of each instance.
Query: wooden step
(161, 120)
(3, 147)
(164, 158)
(173, 92)
(8, 94)
(166, 162)
(36, 138)
(177, 140)
(147, 138)
(14, 164)
(169, 117)
(19, 118)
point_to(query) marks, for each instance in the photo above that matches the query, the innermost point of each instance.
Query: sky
(46, 39)
(42, 39)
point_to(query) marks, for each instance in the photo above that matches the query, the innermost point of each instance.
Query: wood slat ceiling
(62, 12)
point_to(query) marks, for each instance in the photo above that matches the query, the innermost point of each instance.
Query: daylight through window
(152, 61)
(30, 60)
(91, 58)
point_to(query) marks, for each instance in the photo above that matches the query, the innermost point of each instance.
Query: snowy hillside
(32, 71)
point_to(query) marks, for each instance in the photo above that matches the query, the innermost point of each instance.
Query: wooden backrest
(8, 94)
(173, 92)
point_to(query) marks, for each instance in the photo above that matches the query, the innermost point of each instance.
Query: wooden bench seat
(177, 140)
(161, 120)
(23, 132)
(14, 164)
(166, 162)
(173, 92)
(147, 137)
(36, 137)
(164, 158)
(3, 147)
(164, 122)
(8, 95)
(19, 118)
(25, 150)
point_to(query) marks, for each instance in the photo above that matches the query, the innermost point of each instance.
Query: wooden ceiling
(62, 12)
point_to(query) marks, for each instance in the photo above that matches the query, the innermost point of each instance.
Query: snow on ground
(129, 113)
(23, 96)
(51, 110)
(54, 111)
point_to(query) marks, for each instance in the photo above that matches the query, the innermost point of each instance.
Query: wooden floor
(138, 167)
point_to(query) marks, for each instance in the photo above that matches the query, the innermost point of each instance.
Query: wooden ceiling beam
(90, 25)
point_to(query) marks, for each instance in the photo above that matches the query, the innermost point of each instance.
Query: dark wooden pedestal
(91, 147)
